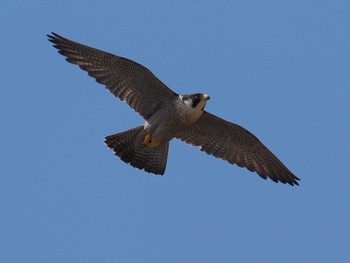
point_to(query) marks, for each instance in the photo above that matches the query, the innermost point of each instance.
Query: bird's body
(173, 117)
(168, 115)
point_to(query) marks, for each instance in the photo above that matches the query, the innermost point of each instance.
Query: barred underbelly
(168, 131)
(170, 120)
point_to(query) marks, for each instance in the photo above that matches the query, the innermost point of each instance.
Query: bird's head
(195, 101)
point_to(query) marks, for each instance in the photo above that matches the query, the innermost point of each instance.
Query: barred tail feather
(129, 147)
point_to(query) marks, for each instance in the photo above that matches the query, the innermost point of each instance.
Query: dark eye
(195, 101)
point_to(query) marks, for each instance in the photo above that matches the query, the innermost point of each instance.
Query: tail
(129, 147)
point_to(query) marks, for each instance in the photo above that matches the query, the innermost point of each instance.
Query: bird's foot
(148, 141)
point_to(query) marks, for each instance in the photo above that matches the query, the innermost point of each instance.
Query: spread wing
(236, 145)
(125, 79)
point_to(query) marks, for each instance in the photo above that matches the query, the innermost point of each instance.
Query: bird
(168, 115)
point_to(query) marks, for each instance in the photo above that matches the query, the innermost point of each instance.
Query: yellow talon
(153, 144)
(148, 141)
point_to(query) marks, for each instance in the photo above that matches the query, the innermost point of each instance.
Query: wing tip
(295, 181)
(53, 35)
(291, 180)
(56, 39)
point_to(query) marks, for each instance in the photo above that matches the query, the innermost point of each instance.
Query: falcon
(168, 115)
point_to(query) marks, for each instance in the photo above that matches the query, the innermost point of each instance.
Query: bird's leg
(148, 141)
(147, 138)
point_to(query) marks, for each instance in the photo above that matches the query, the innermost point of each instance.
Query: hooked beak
(206, 96)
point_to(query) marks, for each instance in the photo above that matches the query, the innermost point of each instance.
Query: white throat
(187, 111)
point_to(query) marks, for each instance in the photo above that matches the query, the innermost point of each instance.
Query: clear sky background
(281, 69)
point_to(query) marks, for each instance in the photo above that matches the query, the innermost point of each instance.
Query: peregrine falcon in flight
(168, 115)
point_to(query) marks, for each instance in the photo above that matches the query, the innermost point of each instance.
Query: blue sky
(278, 68)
